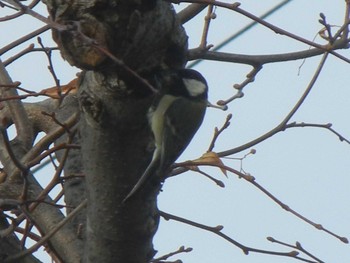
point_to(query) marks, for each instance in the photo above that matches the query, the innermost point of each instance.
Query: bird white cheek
(195, 87)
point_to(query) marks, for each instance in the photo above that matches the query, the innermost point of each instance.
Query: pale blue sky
(306, 168)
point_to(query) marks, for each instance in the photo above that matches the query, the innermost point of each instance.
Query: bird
(174, 117)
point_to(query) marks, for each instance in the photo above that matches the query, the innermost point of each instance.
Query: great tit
(174, 117)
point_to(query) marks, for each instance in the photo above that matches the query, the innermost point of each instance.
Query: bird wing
(182, 120)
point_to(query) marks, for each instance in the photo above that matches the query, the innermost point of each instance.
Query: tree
(96, 126)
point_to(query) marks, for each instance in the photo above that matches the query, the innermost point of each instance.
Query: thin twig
(59, 123)
(19, 55)
(251, 179)
(26, 51)
(282, 125)
(296, 246)
(217, 231)
(48, 152)
(27, 10)
(51, 68)
(254, 60)
(327, 126)
(56, 179)
(217, 132)
(190, 12)
(24, 39)
(35, 247)
(241, 31)
(27, 229)
(181, 249)
(277, 30)
(216, 181)
(239, 87)
(10, 17)
(42, 165)
(43, 144)
(31, 235)
(240, 159)
(35, 94)
(207, 19)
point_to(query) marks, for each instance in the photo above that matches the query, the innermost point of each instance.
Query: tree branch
(217, 231)
(282, 125)
(47, 236)
(19, 116)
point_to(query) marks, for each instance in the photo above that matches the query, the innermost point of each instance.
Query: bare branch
(23, 39)
(46, 141)
(35, 247)
(217, 231)
(251, 179)
(10, 17)
(210, 15)
(282, 126)
(296, 246)
(18, 113)
(28, 10)
(51, 68)
(255, 60)
(239, 87)
(277, 30)
(327, 126)
(189, 12)
(25, 51)
(181, 249)
(243, 30)
(217, 132)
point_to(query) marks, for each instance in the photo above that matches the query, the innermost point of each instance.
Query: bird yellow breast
(157, 120)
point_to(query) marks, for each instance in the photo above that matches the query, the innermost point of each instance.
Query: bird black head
(183, 82)
(195, 83)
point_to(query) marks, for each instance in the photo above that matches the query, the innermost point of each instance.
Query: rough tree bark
(106, 39)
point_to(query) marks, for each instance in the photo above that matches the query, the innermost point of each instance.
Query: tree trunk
(119, 44)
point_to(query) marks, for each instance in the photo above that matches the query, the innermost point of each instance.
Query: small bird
(174, 117)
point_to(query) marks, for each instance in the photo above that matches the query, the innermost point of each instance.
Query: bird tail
(150, 170)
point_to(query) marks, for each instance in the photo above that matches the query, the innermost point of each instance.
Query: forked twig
(297, 246)
(181, 249)
(282, 125)
(251, 179)
(217, 132)
(234, 7)
(217, 231)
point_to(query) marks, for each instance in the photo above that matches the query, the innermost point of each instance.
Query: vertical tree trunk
(117, 42)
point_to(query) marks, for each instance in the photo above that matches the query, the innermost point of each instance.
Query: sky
(305, 168)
